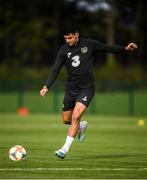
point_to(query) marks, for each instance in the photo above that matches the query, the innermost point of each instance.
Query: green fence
(112, 98)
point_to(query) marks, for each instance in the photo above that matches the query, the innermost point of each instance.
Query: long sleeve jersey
(79, 62)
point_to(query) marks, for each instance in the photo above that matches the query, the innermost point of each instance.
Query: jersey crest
(84, 49)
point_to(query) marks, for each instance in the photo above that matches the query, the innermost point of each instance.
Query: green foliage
(18, 73)
(115, 72)
(29, 31)
(31, 41)
(110, 71)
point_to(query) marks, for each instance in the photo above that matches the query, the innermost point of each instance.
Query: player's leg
(68, 105)
(73, 130)
(76, 116)
(66, 116)
(85, 97)
(81, 132)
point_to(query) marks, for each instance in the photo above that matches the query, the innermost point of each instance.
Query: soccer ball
(17, 153)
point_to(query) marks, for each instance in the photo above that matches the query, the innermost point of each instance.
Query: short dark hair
(70, 28)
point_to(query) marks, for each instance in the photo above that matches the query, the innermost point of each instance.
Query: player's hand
(43, 91)
(131, 46)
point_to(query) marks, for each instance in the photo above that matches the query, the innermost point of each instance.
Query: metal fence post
(55, 99)
(21, 95)
(131, 100)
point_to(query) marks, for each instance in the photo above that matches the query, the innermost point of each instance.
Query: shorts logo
(84, 50)
(84, 98)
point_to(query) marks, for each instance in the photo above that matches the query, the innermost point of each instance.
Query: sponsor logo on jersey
(84, 50)
(84, 98)
(68, 54)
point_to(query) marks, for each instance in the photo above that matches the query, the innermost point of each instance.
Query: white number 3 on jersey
(75, 61)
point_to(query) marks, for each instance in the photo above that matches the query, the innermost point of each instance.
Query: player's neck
(76, 42)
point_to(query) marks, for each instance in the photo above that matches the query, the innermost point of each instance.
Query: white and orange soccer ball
(17, 153)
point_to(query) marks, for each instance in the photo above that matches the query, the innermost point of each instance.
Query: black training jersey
(78, 61)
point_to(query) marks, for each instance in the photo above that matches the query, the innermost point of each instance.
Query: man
(77, 55)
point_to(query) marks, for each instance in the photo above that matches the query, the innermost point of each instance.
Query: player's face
(71, 39)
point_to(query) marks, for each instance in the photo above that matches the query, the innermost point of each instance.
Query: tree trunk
(111, 31)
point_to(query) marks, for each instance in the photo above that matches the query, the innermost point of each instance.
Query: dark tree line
(31, 31)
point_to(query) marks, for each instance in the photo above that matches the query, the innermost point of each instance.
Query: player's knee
(75, 118)
(66, 120)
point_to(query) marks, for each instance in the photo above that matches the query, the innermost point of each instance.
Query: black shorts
(71, 97)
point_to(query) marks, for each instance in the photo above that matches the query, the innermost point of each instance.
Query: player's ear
(77, 34)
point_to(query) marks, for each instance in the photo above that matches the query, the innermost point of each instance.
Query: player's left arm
(131, 46)
(98, 46)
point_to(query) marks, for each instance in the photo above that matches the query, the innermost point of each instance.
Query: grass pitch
(115, 148)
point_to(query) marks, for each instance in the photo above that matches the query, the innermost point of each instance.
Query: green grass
(115, 148)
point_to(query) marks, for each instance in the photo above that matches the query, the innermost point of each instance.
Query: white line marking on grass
(73, 169)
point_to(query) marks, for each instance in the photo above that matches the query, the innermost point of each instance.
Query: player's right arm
(54, 72)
